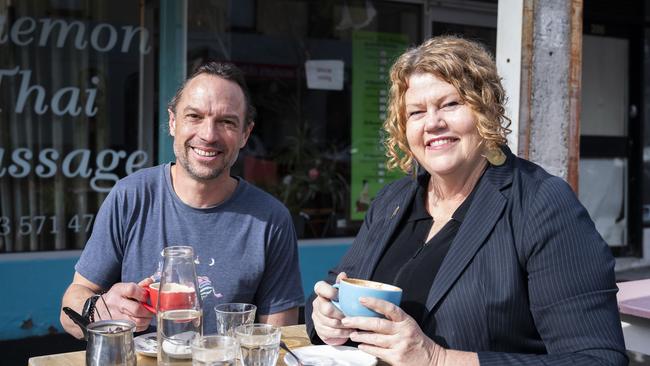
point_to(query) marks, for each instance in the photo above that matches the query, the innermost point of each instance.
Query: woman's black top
(411, 263)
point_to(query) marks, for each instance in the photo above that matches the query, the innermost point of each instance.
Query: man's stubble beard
(183, 161)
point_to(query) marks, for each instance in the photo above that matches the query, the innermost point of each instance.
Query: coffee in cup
(351, 289)
(176, 296)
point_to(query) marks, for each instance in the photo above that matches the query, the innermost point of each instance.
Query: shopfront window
(317, 71)
(77, 89)
(78, 105)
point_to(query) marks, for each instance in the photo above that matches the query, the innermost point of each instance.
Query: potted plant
(311, 183)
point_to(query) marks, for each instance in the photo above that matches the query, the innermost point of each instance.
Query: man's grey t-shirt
(245, 247)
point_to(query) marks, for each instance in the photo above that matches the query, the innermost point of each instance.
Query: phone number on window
(26, 225)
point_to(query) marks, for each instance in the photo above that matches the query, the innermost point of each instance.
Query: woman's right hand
(326, 317)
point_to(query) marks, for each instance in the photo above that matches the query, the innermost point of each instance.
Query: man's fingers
(146, 282)
(123, 301)
(130, 291)
(123, 310)
(131, 308)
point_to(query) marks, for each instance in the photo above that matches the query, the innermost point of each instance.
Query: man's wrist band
(90, 307)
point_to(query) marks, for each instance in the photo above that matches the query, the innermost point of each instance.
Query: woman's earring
(495, 156)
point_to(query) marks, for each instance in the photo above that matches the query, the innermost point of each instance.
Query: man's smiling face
(209, 127)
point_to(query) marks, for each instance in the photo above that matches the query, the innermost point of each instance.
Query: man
(243, 239)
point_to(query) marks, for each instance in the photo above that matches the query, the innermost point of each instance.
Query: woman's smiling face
(440, 127)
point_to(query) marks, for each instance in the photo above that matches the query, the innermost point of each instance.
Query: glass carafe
(179, 314)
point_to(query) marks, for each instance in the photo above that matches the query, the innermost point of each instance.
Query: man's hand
(326, 317)
(124, 302)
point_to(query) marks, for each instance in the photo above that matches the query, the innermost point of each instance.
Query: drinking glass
(215, 350)
(178, 306)
(259, 343)
(231, 315)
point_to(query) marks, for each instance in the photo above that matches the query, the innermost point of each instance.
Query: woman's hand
(326, 317)
(397, 339)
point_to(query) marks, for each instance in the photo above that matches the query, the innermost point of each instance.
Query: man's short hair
(225, 71)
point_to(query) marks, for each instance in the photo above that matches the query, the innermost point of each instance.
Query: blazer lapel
(395, 211)
(483, 214)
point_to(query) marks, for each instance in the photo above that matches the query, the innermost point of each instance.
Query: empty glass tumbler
(231, 315)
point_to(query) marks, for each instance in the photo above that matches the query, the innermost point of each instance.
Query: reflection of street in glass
(364, 198)
(147, 344)
(178, 346)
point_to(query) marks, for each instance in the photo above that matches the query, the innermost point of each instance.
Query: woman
(498, 261)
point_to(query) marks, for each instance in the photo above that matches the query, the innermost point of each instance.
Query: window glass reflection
(302, 147)
(76, 99)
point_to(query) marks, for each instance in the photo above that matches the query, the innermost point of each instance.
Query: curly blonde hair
(466, 65)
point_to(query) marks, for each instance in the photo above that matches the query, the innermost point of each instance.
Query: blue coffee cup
(351, 289)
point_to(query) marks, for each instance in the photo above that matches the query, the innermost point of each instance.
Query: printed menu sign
(372, 55)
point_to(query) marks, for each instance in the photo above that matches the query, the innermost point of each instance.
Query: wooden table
(293, 336)
(634, 305)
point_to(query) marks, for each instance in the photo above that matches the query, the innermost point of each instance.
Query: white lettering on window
(20, 158)
(47, 159)
(82, 169)
(71, 107)
(64, 101)
(77, 163)
(24, 30)
(102, 172)
(90, 109)
(64, 28)
(26, 89)
(133, 165)
(18, 30)
(129, 32)
(112, 37)
(2, 168)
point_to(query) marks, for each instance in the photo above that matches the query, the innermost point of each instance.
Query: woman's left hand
(397, 339)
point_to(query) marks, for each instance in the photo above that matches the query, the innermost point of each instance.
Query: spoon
(295, 357)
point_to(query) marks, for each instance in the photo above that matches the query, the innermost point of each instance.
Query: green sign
(372, 55)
